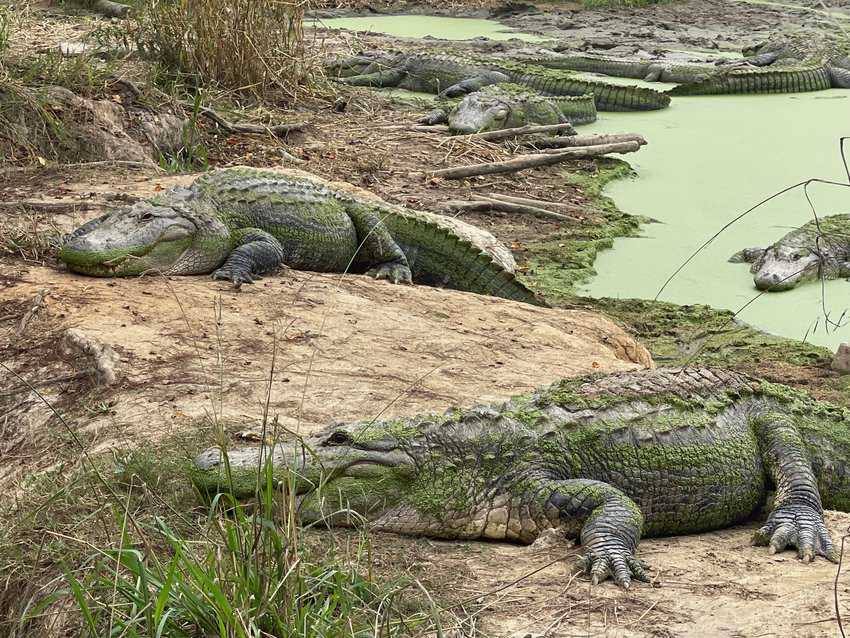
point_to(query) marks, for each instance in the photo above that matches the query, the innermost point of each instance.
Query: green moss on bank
(674, 334)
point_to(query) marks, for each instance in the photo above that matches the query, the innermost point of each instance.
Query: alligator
(501, 106)
(605, 459)
(788, 63)
(453, 75)
(240, 223)
(820, 249)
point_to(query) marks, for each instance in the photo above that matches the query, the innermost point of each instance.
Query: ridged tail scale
(744, 81)
(606, 66)
(438, 257)
(608, 97)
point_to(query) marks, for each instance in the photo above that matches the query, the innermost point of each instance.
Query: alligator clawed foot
(799, 526)
(395, 273)
(618, 564)
(236, 277)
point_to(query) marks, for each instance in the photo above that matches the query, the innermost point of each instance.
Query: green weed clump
(250, 46)
(227, 570)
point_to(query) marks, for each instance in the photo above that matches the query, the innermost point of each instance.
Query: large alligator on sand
(501, 106)
(608, 459)
(239, 223)
(783, 64)
(453, 75)
(820, 249)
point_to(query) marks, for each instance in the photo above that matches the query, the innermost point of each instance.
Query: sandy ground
(341, 348)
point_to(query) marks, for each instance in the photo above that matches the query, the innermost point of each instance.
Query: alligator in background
(454, 75)
(608, 459)
(501, 106)
(817, 250)
(239, 223)
(782, 64)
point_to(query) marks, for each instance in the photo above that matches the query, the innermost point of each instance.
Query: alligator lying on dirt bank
(239, 223)
(453, 75)
(608, 459)
(817, 250)
(783, 64)
(501, 106)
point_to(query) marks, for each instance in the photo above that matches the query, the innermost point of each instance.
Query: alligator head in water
(818, 250)
(149, 237)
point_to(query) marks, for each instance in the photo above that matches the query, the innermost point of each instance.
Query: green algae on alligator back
(606, 458)
(711, 158)
(241, 223)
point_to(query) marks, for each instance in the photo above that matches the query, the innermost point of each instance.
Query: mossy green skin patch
(652, 452)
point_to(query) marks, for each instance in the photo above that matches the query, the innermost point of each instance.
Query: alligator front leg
(470, 85)
(797, 516)
(256, 253)
(385, 78)
(610, 523)
(378, 248)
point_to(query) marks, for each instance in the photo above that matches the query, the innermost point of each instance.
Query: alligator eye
(338, 438)
(147, 217)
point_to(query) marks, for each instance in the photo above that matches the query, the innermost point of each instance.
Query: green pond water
(406, 26)
(709, 159)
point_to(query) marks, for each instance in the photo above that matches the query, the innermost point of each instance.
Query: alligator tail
(605, 66)
(439, 257)
(608, 97)
(814, 78)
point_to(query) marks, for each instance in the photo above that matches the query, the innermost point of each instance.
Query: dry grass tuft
(250, 46)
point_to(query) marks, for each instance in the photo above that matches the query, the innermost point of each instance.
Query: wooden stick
(510, 133)
(523, 162)
(514, 207)
(536, 202)
(47, 207)
(244, 127)
(35, 306)
(485, 204)
(588, 140)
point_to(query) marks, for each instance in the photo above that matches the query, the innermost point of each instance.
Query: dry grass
(265, 53)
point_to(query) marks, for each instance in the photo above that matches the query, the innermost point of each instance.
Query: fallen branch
(47, 207)
(485, 204)
(537, 202)
(244, 127)
(523, 162)
(510, 133)
(589, 140)
(103, 356)
(35, 306)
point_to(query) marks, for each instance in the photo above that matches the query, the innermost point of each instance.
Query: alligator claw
(236, 277)
(797, 526)
(395, 273)
(615, 563)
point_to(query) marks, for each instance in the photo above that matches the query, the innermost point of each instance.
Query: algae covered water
(406, 26)
(710, 158)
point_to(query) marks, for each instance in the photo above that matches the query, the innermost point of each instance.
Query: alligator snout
(775, 282)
